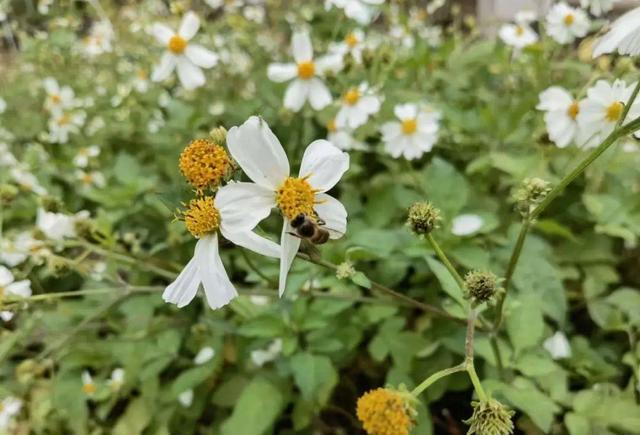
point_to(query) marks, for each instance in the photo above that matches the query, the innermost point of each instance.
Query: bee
(310, 228)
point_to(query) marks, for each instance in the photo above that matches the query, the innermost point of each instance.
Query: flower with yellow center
(415, 132)
(385, 412)
(259, 153)
(520, 34)
(59, 98)
(352, 96)
(358, 104)
(204, 164)
(573, 110)
(88, 386)
(614, 111)
(565, 23)
(182, 55)
(9, 408)
(569, 19)
(305, 75)
(351, 39)
(561, 112)
(409, 126)
(202, 219)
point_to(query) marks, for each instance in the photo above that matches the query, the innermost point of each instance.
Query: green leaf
(135, 419)
(525, 322)
(257, 409)
(448, 283)
(314, 375)
(361, 279)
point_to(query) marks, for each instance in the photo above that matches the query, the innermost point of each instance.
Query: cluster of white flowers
(520, 34)
(362, 11)
(99, 40)
(114, 383)
(64, 116)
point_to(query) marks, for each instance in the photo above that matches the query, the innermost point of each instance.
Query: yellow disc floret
(569, 19)
(177, 44)
(201, 217)
(351, 40)
(306, 70)
(409, 126)
(614, 111)
(352, 96)
(384, 412)
(295, 196)
(204, 163)
(573, 110)
(331, 126)
(89, 388)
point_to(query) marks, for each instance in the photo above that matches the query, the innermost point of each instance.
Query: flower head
(88, 385)
(565, 24)
(9, 408)
(116, 380)
(358, 104)
(415, 132)
(561, 115)
(481, 286)
(385, 412)
(519, 34)
(423, 217)
(204, 164)
(490, 417)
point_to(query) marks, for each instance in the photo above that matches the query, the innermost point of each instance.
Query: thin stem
(471, 370)
(435, 377)
(493, 340)
(73, 294)
(443, 258)
(253, 267)
(468, 351)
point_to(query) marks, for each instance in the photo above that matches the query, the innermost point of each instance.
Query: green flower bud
(219, 135)
(345, 270)
(58, 266)
(51, 204)
(423, 218)
(481, 286)
(490, 417)
(8, 192)
(531, 193)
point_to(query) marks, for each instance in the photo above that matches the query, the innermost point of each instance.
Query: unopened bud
(423, 218)
(51, 204)
(345, 270)
(8, 192)
(490, 417)
(219, 135)
(531, 193)
(481, 286)
(58, 266)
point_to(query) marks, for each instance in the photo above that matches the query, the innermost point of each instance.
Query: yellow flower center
(201, 217)
(177, 44)
(614, 111)
(64, 120)
(295, 196)
(306, 70)
(89, 388)
(352, 96)
(55, 99)
(409, 126)
(142, 74)
(519, 30)
(573, 110)
(351, 40)
(331, 126)
(1, 296)
(569, 19)
(204, 163)
(384, 412)
(87, 178)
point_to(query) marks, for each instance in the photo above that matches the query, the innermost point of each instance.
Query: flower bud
(423, 218)
(531, 193)
(219, 135)
(386, 411)
(490, 417)
(51, 204)
(58, 266)
(345, 270)
(8, 192)
(481, 286)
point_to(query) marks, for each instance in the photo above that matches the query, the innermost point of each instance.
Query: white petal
(296, 95)
(51, 85)
(319, 95)
(558, 346)
(163, 70)
(243, 205)
(217, 288)
(323, 164)
(162, 33)
(252, 241)
(189, 74)
(333, 213)
(406, 111)
(466, 224)
(290, 245)
(184, 288)
(189, 26)
(19, 288)
(200, 56)
(281, 72)
(6, 316)
(6, 277)
(259, 153)
(204, 355)
(301, 46)
(330, 63)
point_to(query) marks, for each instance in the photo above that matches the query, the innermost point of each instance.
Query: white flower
(186, 398)
(262, 356)
(10, 287)
(603, 107)
(57, 226)
(58, 98)
(91, 178)
(343, 138)
(43, 6)
(598, 7)
(117, 379)
(565, 24)
(3, 105)
(432, 35)
(6, 156)
(466, 224)
(61, 124)
(9, 408)
(15, 252)
(361, 11)
(187, 58)
(141, 81)
(558, 346)
(353, 45)
(206, 266)
(260, 154)
(357, 105)
(305, 85)
(414, 134)
(520, 34)
(88, 386)
(561, 115)
(27, 180)
(204, 355)
(624, 36)
(84, 154)
(99, 39)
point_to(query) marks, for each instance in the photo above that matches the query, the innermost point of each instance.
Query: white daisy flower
(558, 346)
(520, 34)
(182, 55)
(414, 134)
(561, 115)
(361, 11)
(204, 217)
(262, 356)
(598, 7)
(624, 36)
(260, 154)
(57, 226)
(10, 287)
(99, 39)
(306, 84)
(343, 137)
(466, 224)
(15, 252)
(27, 180)
(9, 408)
(91, 178)
(204, 355)
(116, 380)
(88, 385)
(62, 124)
(85, 154)
(603, 107)
(58, 98)
(565, 24)
(353, 45)
(141, 81)
(357, 105)
(186, 398)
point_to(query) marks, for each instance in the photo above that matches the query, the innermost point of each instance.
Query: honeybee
(310, 228)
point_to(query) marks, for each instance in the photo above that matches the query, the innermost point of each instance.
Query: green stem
(435, 377)
(493, 340)
(253, 267)
(443, 258)
(468, 351)
(628, 104)
(73, 294)
(471, 370)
